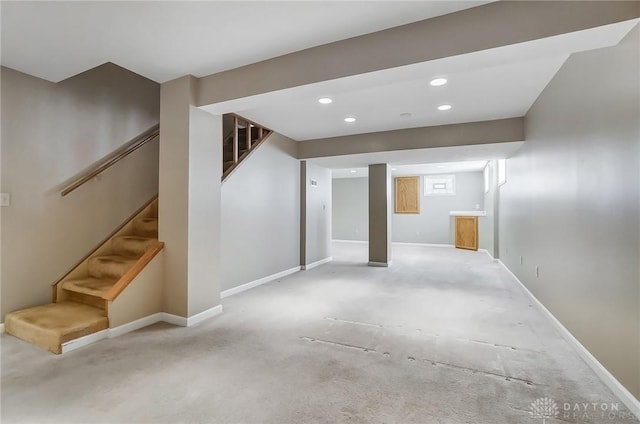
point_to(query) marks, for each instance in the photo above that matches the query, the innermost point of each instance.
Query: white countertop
(468, 213)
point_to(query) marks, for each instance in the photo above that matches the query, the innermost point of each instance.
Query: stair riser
(146, 228)
(131, 247)
(46, 342)
(87, 299)
(100, 268)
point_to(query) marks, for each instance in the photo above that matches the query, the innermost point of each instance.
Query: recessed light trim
(350, 119)
(325, 100)
(353, 171)
(437, 82)
(444, 107)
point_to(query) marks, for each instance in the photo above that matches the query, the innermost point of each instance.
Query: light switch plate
(5, 199)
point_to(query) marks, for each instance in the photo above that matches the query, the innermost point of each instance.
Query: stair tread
(49, 326)
(90, 286)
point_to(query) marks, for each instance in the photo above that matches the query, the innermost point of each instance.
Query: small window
(440, 185)
(502, 171)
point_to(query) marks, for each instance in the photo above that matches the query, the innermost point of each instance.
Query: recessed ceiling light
(405, 115)
(325, 100)
(437, 82)
(444, 107)
(394, 169)
(353, 171)
(350, 119)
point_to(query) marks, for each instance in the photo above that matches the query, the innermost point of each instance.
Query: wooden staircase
(81, 299)
(242, 138)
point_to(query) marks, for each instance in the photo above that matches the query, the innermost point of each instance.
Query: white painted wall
(350, 209)
(571, 204)
(261, 214)
(316, 211)
(433, 225)
(50, 133)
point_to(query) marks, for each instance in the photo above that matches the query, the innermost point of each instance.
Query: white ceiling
(420, 169)
(491, 84)
(163, 40)
(166, 39)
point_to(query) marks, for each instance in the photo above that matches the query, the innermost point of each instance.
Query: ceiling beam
(467, 134)
(484, 27)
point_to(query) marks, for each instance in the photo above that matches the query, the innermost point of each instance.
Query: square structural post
(380, 215)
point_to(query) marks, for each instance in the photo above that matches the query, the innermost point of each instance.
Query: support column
(380, 204)
(189, 201)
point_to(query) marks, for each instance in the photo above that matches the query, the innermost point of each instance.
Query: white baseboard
(401, 243)
(256, 283)
(487, 252)
(204, 315)
(380, 264)
(316, 263)
(84, 341)
(141, 323)
(174, 319)
(351, 241)
(2, 328)
(136, 325)
(607, 378)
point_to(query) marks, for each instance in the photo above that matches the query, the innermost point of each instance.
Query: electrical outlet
(520, 259)
(506, 250)
(5, 199)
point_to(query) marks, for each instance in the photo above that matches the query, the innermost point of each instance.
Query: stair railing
(113, 158)
(241, 147)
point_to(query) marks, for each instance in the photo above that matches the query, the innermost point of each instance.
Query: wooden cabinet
(466, 232)
(407, 195)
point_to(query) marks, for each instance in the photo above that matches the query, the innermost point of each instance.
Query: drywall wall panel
(433, 224)
(571, 204)
(316, 213)
(51, 133)
(350, 209)
(261, 214)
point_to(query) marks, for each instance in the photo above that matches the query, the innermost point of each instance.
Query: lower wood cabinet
(467, 232)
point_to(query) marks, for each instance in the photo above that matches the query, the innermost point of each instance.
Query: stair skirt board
(256, 283)
(317, 263)
(110, 333)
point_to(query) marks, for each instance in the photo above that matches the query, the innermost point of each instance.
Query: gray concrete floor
(443, 336)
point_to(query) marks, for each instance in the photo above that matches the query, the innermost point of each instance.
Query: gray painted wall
(316, 213)
(350, 209)
(486, 224)
(380, 210)
(433, 225)
(50, 133)
(572, 201)
(260, 214)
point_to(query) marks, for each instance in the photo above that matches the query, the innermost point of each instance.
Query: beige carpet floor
(443, 336)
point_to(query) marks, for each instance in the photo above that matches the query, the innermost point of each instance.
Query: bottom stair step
(49, 326)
